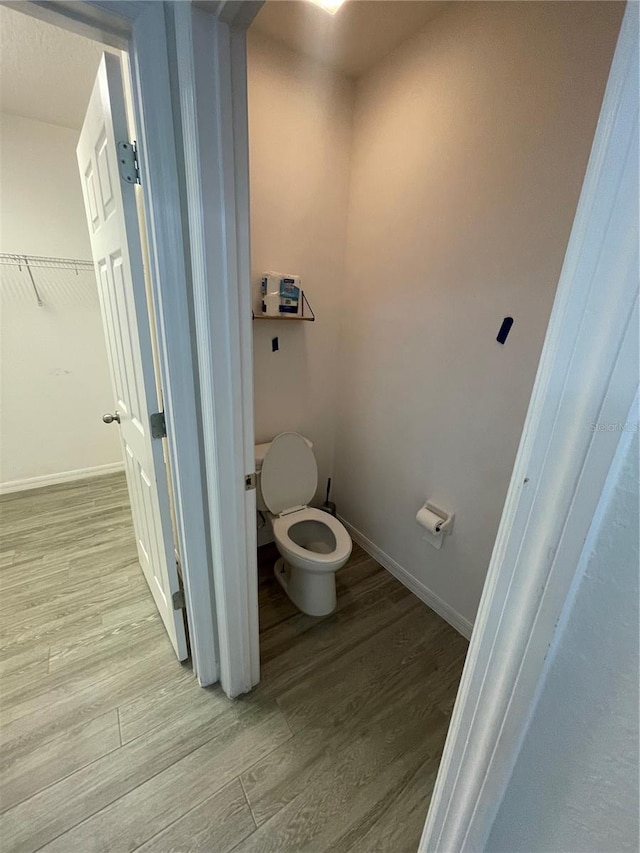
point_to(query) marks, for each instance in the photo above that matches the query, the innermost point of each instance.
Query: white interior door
(110, 206)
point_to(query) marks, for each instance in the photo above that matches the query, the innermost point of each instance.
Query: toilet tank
(260, 452)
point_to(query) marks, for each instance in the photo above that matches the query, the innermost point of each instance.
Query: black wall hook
(505, 328)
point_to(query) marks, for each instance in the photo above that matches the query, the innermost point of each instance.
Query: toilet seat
(289, 473)
(312, 560)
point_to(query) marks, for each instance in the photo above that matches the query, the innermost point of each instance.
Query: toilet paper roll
(430, 521)
(271, 302)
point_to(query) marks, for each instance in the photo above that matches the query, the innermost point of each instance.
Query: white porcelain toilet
(313, 544)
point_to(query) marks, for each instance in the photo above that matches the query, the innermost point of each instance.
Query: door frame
(140, 30)
(210, 41)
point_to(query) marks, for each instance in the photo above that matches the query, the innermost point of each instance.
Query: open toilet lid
(289, 475)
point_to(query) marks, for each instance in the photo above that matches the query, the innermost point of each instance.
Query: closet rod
(43, 261)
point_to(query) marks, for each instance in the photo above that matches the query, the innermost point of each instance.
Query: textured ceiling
(360, 34)
(45, 73)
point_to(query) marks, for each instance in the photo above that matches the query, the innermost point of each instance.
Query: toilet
(312, 544)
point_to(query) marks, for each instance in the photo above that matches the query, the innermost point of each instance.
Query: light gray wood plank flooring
(108, 744)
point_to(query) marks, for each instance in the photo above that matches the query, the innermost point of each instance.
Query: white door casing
(112, 218)
(211, 57)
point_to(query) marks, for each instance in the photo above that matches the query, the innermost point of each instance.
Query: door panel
(112, 218)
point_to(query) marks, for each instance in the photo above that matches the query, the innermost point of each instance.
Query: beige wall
(41, 207)
(299, 133)
(470, 146)
(54, 379)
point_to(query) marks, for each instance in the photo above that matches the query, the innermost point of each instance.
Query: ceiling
(360, 34)
(45, 73)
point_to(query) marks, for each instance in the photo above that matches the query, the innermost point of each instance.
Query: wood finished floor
(108, 744)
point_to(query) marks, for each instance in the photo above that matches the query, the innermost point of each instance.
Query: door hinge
(158, 425)
(128, 162)
(178, 600)
(249, 482)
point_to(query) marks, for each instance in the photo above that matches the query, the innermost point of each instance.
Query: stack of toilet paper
(281, 295)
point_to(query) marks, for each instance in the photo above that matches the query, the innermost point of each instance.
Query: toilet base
(312, 592)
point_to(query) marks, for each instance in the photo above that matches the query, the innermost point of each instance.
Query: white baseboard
(56, 479)
(462, 625)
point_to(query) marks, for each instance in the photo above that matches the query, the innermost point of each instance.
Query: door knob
(110, 418)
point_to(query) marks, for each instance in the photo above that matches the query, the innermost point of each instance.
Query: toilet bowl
(312, 544)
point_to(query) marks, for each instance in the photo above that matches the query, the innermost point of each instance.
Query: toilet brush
(329, 506)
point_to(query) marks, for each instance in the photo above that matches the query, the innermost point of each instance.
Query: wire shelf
(39, 261)
(35, 262)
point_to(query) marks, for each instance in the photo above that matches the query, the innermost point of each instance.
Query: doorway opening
(78, 524)
(138, 29)
(390, 189)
